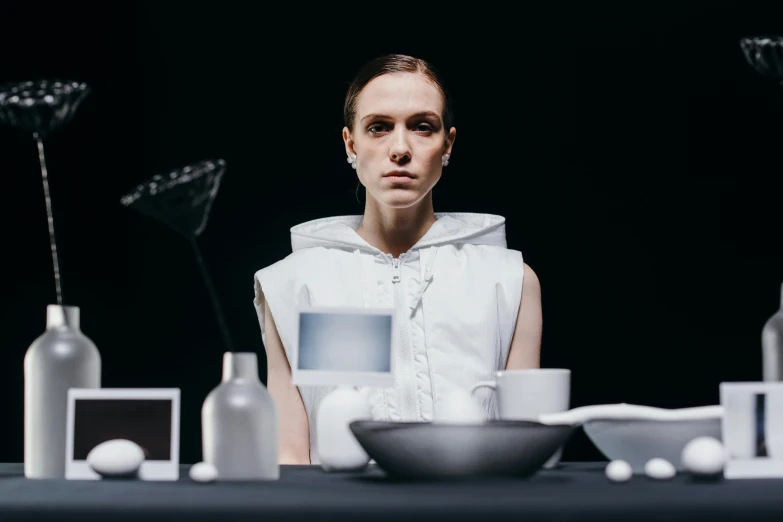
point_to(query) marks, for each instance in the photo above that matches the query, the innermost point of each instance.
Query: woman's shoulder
(295, 264)
(289, 263)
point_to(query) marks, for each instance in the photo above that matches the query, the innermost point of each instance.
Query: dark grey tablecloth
(574, 491)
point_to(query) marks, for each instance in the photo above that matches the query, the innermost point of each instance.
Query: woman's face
(398, 138)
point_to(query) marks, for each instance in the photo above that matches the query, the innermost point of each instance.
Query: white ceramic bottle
(239, 423)
(60, 359)
(338, 449)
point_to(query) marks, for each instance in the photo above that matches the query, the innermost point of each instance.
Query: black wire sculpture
(182, 200)
(40, 108)
(765, 55)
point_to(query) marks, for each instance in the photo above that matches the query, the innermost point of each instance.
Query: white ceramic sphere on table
(116, 458)
(203, 472)
(659, 469)
(458, 407)
(704, 456)
(619, 471)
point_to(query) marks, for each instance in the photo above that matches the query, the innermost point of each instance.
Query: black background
(633, 151)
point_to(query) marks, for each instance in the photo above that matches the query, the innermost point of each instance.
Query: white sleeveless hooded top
(456, 293)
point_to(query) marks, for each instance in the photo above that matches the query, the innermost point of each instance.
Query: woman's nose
(399, 149)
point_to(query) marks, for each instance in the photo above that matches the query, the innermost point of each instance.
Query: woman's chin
(401, 199)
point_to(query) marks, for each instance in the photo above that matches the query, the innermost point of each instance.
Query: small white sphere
(704, 456)
(458, 407)
(116, 458)
(203, 472)
(619, 471)
(659, 469)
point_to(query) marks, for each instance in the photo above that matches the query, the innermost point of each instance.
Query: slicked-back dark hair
(395, 63)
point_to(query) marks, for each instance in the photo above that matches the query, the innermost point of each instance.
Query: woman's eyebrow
(377, 116)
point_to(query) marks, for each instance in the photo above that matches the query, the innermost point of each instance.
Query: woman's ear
(349, 150)
(450, 137)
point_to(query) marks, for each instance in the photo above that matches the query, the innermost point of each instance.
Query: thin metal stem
(49, 219)
(212, 296)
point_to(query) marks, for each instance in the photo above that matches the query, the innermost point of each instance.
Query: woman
(459, 291)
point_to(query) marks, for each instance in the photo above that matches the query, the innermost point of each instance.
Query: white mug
(526, 394)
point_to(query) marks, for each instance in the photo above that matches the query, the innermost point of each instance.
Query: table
(574, 491)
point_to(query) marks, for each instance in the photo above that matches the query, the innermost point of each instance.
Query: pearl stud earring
(352, 160)
(445, 159)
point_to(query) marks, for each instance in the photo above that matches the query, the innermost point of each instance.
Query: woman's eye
(379, 128)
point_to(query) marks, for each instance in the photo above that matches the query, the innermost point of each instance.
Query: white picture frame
(752, 429)
(371, 332)
(157, 469)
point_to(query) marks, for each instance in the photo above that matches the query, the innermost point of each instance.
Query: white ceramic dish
(637, 434)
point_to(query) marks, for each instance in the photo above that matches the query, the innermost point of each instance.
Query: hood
(450, 228)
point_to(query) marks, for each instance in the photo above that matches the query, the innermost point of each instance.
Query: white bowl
(637, 441)
(637, 434)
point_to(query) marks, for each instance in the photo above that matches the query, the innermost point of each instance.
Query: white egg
(459, 407)
(619, 471)
(116, 458)
(203, 472)
(704, 456)
(659, 469)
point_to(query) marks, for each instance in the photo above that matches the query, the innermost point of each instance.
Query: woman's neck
(396, 230)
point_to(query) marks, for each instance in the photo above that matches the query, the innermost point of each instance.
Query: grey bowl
(427, 450)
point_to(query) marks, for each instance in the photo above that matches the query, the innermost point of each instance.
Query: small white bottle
(239, 423)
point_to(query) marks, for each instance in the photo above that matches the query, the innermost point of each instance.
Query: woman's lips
(399, 176)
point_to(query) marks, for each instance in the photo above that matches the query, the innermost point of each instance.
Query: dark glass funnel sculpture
(40, 108)
(765, 55)
(181, 199)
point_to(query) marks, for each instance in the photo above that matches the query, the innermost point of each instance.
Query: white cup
(526, 394)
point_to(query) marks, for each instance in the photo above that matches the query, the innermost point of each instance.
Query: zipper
(409, 390)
